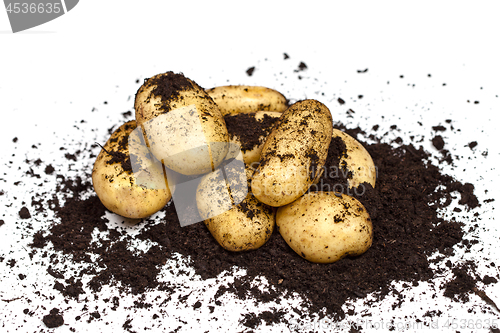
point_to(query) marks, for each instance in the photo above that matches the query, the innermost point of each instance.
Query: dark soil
(438, 142)
(24, 213)
(167, 87)
(250, 71)
(53, 319)
(250, 131)
(403, 207)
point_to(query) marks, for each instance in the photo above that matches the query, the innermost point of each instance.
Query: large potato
(247, 99)
(182, 124)
(323, 227)
(249, 132)
(293, 154)
(127, 180)
(357, 161)
(237, 220)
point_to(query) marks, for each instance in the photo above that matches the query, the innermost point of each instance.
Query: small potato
(249, 131)
(182, 124)
(246, 226)
(237, 220)
(293, 153)
(323, 227)
(127, 180)
(357, 161)
(247, 99)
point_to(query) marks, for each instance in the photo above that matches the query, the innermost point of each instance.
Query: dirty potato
(183, 126)
(324, 227)
(237, 220)
(247, 99)
(127, 180)
(293, 154)
(356, 161)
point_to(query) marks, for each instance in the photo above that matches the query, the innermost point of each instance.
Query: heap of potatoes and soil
(246, 182)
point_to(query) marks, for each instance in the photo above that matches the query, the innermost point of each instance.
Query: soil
(250, 71)
(24, 213)
(167, 87)
(438, 142)
(53, 319)
(250, 131)
(302, 66)
(403, 207)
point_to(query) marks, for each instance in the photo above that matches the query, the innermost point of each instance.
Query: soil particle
(439, 128)
(49, 169)
(24, 213)
(53, 319)
(250, 71)
(302, 67)
(438, 142)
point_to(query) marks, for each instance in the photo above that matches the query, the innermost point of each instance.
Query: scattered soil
(472, 144)
(438, 142)
(250, 71)
(302, 66)
(404, 208)
(405, 201)
(24, 213)
(53, 319)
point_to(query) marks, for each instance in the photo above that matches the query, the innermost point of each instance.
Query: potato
(324, 227)
(293, 153)
(237, 220)
(250, 131)
(182, 124)
(357, 161)
(127, 180)
(247, 99)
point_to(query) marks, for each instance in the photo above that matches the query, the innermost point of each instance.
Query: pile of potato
(179, 126)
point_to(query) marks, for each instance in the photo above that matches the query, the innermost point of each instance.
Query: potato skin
(358, 161)
(236, 220)
(293, 153)
(183, 125)
(115, 183)
(235, 99)
(323, 227)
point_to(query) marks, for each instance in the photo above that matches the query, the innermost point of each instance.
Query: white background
(53, 75)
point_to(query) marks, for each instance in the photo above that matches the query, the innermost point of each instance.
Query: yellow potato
(251, 140)
(127, 180)
(357, 161)
(182, 124)
(247, 99)
(237, 220)
(293, 153)
(323, 227)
